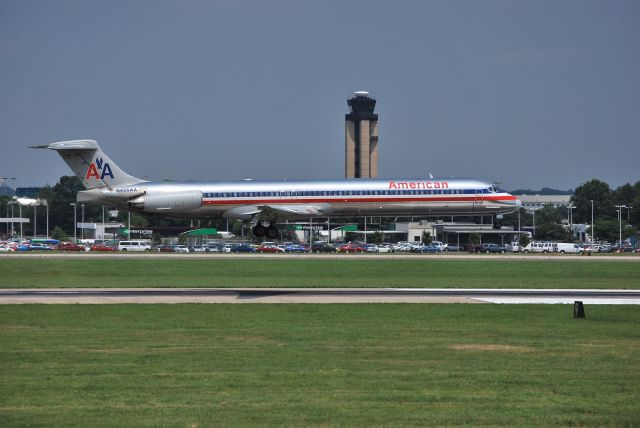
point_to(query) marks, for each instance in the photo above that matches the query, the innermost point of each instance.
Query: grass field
(301, 365)
(207, 272)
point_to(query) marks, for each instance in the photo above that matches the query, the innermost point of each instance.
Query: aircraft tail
(90, 164)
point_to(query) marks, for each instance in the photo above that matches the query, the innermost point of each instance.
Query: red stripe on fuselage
(297, 200)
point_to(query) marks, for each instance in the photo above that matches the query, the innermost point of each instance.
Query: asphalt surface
(314, 295)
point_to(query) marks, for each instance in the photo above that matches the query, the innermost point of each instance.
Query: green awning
(200, 232)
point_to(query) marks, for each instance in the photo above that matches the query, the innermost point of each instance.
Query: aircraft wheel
(259, 231)
(272, 232)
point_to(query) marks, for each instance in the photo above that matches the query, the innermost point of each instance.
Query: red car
(269, 249)
(102, 247)
(69, 246)
(351, 248)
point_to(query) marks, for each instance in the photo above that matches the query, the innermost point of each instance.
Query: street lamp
(620, 207)
(570, 207)
(35, 221)
(75, 224)
(593, 233)
(46, 205)
(12, 203)
(82, 222)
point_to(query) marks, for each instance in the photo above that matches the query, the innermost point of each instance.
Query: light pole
(75, 224)
(620, 207)
(82, 222)
(593, 233)
(102, 224)
(35, 221)
(571, 207)
(533, 212)
(12, 217)
(46, 205)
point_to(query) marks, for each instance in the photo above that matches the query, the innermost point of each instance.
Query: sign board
(307, 227)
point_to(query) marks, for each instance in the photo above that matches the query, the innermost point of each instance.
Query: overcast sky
(526, 93)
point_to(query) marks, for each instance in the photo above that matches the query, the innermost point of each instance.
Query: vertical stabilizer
(90, 164)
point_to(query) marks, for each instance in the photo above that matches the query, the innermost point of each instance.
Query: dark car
(323, 247)
(491, 248)
(242, 248)
(166, 249)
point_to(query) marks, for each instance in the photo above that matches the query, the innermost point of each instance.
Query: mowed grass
(310, 365)
(301, 272)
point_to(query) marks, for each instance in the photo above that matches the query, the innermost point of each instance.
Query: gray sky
(527, 93)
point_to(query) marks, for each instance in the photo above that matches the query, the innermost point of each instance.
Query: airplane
(265, 202)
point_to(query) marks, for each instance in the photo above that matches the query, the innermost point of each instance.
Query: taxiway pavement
(314, 295)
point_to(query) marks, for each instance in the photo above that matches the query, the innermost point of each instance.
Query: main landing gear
(259, 231)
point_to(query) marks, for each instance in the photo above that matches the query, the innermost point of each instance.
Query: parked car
(351, 248)
(567, 247)
(242, 248)
(370, 248)
(428, 249)
(269, 248)
(491, 248)
(181, 248)
(166, 249)
(134, 245)
(385, 248)
(295, 248)
(102, 247)
(453, 247)
(323, 247)
(69, 246)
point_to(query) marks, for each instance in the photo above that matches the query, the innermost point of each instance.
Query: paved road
(313, 295)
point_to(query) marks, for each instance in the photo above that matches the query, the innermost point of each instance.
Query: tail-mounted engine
(178, 201)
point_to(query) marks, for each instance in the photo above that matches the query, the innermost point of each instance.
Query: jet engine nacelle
(178, 201)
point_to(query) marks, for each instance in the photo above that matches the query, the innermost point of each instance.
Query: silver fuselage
(308, 198)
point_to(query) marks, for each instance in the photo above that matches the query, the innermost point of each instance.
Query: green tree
(59, 234)
(378, 238)
(427, 239)
(551, 232)
(524, 240)
(603, 202)
(474, 238)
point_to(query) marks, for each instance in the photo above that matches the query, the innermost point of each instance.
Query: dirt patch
(490, 347)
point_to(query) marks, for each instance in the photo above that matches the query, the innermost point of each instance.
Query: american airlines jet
(264, 202)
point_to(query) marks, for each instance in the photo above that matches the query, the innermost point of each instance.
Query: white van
(134, 246)
(564, 247)
(538, 247)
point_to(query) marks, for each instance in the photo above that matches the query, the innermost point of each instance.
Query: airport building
(361, 137)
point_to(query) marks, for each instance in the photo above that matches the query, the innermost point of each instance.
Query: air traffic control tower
(361, 137)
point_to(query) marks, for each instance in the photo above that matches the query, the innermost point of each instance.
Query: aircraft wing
(300, 210)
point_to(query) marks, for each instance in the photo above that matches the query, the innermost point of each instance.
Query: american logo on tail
(99, 165)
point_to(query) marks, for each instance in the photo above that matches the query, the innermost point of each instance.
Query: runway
(315, 296)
